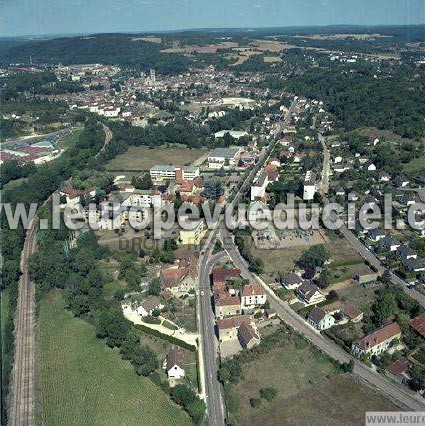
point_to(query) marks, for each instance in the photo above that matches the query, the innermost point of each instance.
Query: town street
(206, 322)
(397, 394)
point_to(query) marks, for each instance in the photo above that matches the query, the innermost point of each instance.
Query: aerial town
(192, 323)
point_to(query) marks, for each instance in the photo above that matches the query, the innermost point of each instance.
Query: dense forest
(112, 49)
(392, 101)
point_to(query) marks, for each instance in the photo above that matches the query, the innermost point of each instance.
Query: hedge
(171, 339)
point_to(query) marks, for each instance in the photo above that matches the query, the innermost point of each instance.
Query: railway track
(22, 397)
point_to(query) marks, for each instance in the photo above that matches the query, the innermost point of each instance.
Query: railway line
(22, 395)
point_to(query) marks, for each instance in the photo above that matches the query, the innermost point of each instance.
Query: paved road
(208, 345)
(400, 396)
(373, 260)
(324, 184)
(22, 394)
(206, 322)
(108, 137)
(361, 249)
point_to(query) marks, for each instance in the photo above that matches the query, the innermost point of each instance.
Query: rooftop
(381, 335)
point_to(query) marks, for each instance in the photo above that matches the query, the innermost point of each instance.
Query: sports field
(85, 382)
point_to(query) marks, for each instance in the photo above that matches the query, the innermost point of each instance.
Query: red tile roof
(400, 366)
(222, 275)
(233, 322)
(252, 290)
(352, 312)
(381, 335)
(175, 357)
(418, 324)
(246, 333)
(171, 277)
(224, 298)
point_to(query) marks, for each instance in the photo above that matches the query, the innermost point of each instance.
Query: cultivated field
(338, 400)
(84, 382)
(141, 158)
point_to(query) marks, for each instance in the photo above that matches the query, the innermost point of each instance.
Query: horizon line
(206, 29)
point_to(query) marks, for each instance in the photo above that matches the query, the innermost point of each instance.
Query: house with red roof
(418, 324)
(226, 304)
(220, 276)
(377, 342)
(252, 296)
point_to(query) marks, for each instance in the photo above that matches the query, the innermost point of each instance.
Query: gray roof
(224, 152)
(307, 289)
(151, 303)
(175, 357)
(291, 279)
(162, 167)
(316, 315)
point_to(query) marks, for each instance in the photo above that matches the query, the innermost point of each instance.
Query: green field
(289, 369)
(284, 260)
(70, 139)
(338, 400)
(416, 167)
(310, 389)
(4, 307)
(143, 158)
(84, 382)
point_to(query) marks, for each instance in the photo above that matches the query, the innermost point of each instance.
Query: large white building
(222, 157)
(309, 186)
(236, 134)
(160, 173)
(252, 296)
(258, 189)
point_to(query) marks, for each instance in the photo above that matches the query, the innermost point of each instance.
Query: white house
(309, 293)
(291, 281)
(309, 185)
(320, 320)
(377, 342)
(149, 305)
(252, 296)
(258, 189)
(175, 363)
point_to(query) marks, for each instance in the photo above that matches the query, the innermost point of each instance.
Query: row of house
(306, 291)
(233, 307)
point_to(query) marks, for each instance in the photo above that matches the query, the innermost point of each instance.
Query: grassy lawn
(338, 400)
(359, 296)
(415, 167)
(84, 382)
(70, 139)
(142, 158)
(289, 369)
(342, 254)
(162, 347)
(310, 389)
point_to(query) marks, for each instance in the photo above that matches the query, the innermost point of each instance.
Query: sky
(42, 17)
